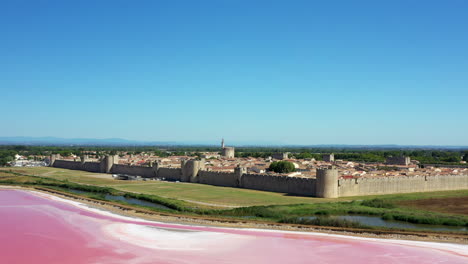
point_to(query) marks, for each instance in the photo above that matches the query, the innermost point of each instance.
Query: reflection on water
(122, 198)
(379, 222)
(364, 220)
(134, 201)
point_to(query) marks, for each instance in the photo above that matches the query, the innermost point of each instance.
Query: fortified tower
(403, 160)
(227, 152)
(83, 158)
(53, 157)
(328, 157)
(239, 171)
(155, 167)
(190, 169)
(280, 155)
(327, 182)
(108, 162)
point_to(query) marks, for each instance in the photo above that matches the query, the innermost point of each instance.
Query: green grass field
(438, 208)
(208, 195)
(211, 196)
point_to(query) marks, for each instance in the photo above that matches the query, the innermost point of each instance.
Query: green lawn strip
(414, 196)
(213, 194)
(183, 191)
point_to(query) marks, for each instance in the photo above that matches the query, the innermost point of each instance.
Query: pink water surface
(38, 228)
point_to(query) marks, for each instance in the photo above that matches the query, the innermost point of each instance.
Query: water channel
(122, 198)
(379, 222)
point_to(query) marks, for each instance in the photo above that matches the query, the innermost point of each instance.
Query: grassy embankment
(385, 206)
(204, 195)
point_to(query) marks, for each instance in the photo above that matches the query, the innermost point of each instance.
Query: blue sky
(285, 72)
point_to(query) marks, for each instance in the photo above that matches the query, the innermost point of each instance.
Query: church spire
(222, 143)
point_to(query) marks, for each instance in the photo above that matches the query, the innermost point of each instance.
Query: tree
(282, 166)
(65, 153)
(5, 160)
(304, 155)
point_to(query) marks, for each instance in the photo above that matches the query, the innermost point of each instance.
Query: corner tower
(190, 169)
(327, 182)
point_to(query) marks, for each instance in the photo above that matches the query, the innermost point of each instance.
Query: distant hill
(78, 141)
(56, 141)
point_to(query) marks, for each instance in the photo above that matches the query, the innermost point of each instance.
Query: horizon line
(201, 143)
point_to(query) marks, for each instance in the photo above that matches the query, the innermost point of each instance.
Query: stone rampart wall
(91, 166)
(283, 184)
(400, 184)
(217, 178)
(77, 165)
(145, 172)
(67, 164)
(171, 174)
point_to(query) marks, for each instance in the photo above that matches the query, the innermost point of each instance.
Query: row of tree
(425, 156)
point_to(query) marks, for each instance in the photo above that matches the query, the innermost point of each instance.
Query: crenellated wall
(227, 179)
(400, 184)
(327, 183)
(66, 164)
(145, 172)
(77, 165)
(91, 166)
(171, 174)
(283, 184)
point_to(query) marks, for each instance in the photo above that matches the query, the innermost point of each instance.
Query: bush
(323, 221)
(427, 219)
(377, 203)
(322, 212)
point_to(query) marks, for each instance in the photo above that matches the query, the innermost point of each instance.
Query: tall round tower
(327, 182)
(190, 169)
(228, 152)
(52, 159)
(107, 163)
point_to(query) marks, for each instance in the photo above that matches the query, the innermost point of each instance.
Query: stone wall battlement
(327, 184)
(398, 178)
(227, 179)
(401, 184)
(217, 172)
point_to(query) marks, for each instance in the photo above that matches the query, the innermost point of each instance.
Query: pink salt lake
(37, 228)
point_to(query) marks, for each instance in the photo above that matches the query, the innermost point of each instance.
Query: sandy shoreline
(143, 215)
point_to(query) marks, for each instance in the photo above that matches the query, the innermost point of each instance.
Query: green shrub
(322, 212)
(323, 221)
(387, 217)
(377, 203)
